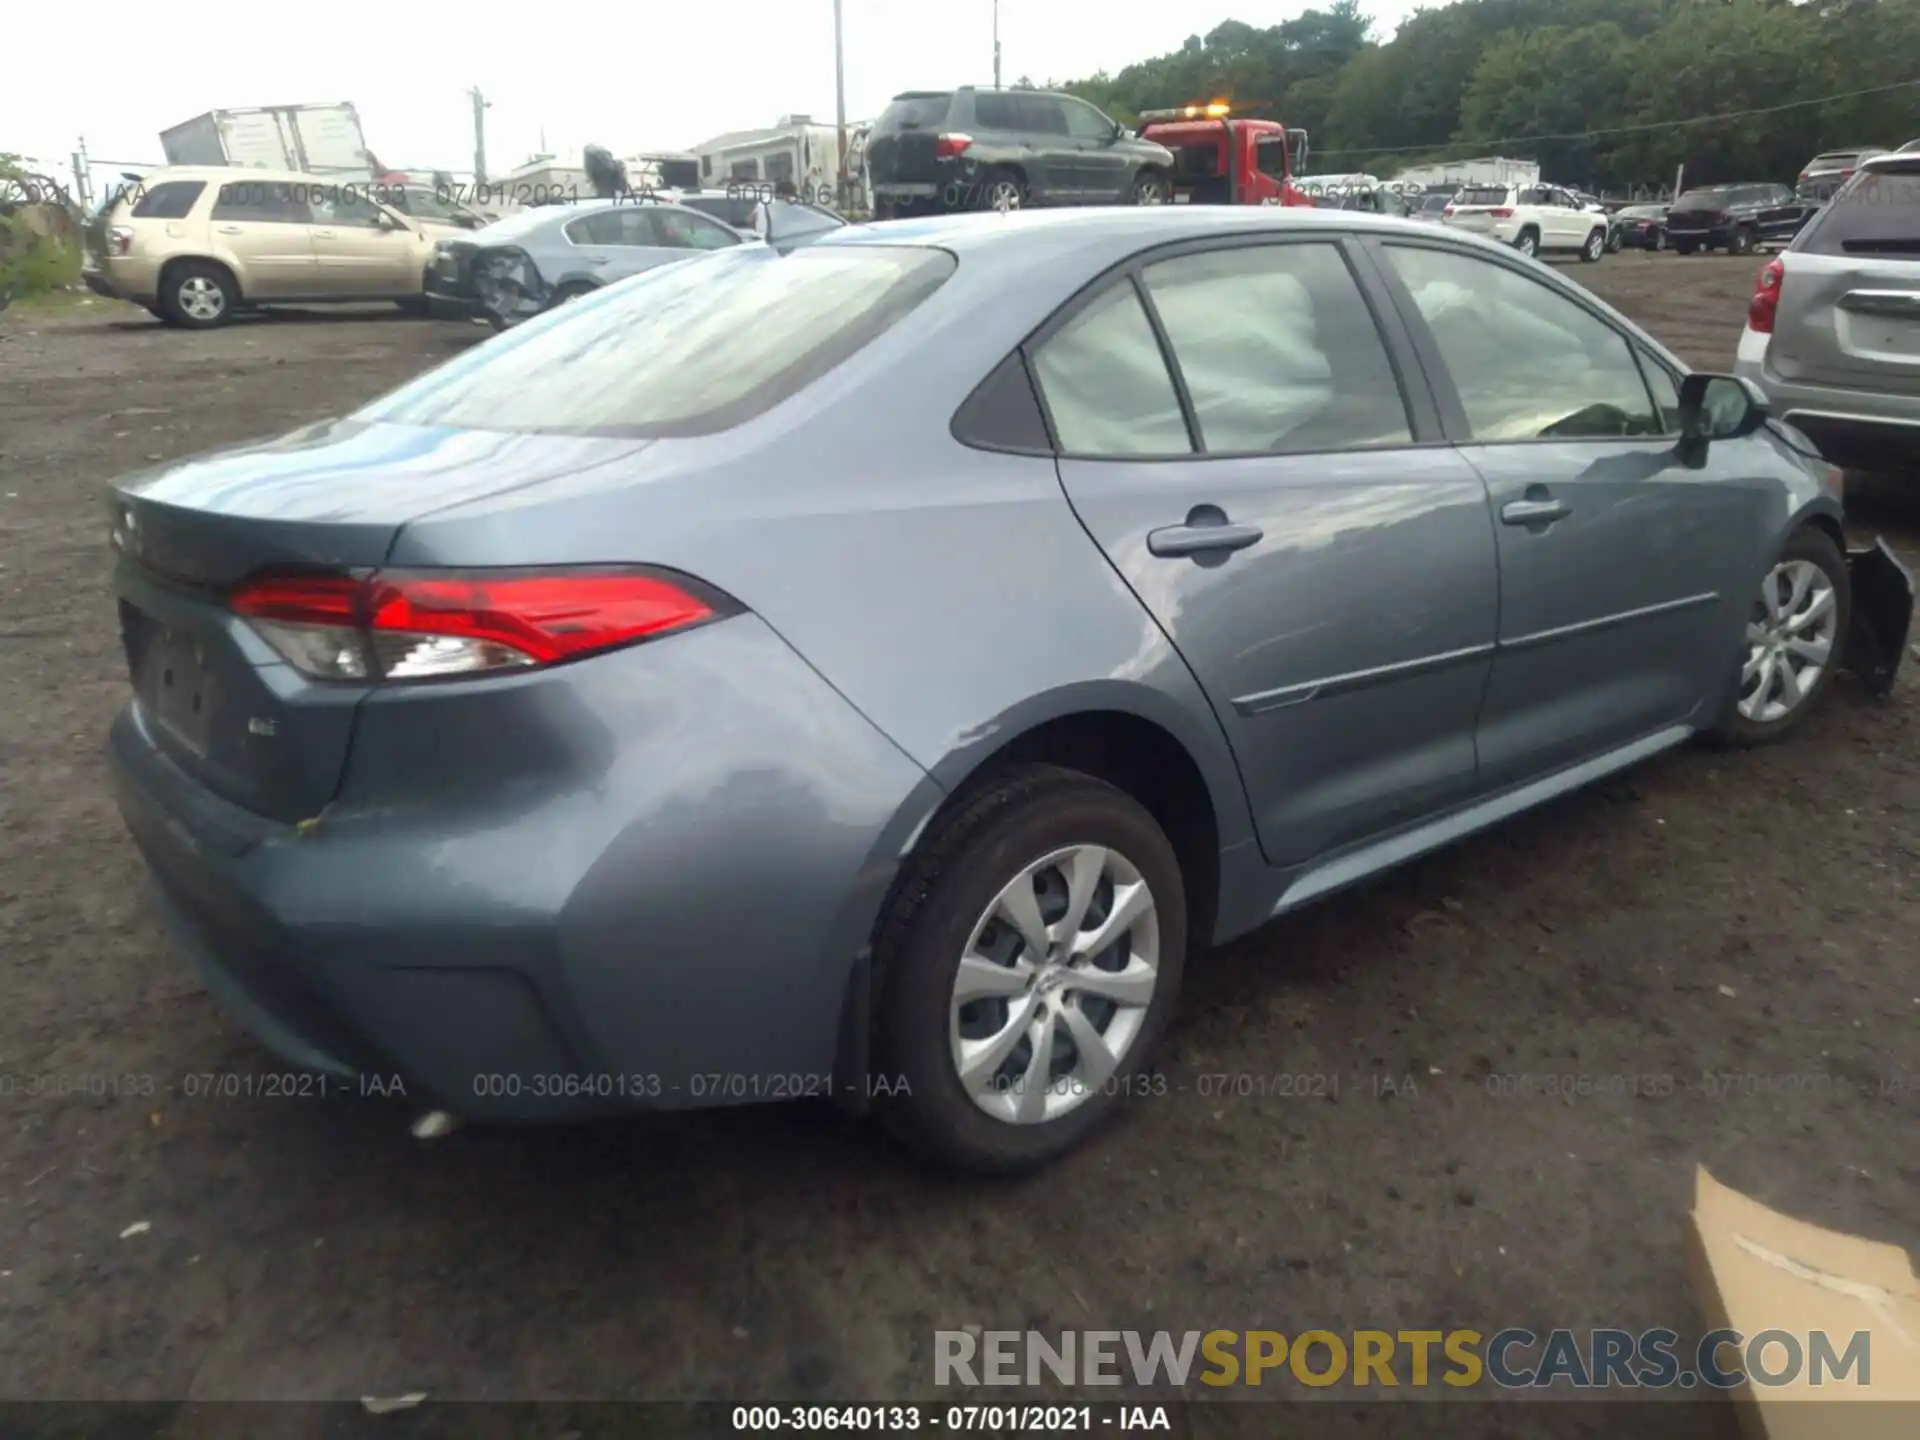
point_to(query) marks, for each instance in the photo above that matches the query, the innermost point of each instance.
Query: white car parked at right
(1532, 219)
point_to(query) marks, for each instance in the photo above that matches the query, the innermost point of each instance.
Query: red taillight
(1501, 212)
(1766, 297)
(946, 147)
(406, 626)
(1446, 210)
(120, 240)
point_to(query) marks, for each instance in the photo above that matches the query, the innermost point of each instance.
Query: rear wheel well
(1145, 761)
(174, 266)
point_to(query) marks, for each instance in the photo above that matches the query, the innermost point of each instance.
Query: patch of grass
(32, 264)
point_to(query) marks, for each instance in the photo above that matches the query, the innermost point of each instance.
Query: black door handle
(1207, 532)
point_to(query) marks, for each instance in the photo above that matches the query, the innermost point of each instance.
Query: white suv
(1530, 218)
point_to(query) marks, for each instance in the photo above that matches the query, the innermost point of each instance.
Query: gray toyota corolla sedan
(875, 670)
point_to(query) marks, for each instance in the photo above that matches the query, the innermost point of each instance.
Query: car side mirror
(1718, 407)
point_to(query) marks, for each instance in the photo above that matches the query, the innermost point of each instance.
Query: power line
(1633, 129)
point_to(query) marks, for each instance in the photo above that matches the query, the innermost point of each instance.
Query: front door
(260, 228)
(1623, 573)
(1105, 170)
(361, 249)
(1330, 581)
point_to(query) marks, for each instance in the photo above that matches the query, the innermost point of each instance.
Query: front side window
(1086, 123)
(1106, 383)
(1270, 156)
(343, 208)
(659, 355)
(745, 170)
(1278, 350)
(1666, 391)
(780, 166)
(169, 200)
(1527, 362)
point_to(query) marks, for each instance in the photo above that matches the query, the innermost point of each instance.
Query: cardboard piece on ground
(1755, 1269)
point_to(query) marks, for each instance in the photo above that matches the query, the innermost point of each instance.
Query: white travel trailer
(1489, 170)
(798, 150)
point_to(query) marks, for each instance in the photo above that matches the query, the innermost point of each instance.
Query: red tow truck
(1225, 159)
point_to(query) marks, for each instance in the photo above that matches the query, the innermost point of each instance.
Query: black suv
(975, 149)
(1735, 218)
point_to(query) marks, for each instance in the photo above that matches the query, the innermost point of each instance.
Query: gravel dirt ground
(1751, 915)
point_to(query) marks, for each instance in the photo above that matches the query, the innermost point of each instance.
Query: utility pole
(840, 107)
(82, 181)
(996, 44)
(1679, 175)
(480, 107)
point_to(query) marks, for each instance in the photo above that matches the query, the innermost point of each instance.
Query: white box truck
(313, 139)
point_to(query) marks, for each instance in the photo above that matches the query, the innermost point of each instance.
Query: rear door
(1277, 500)
(1849, 311)
(1624, 575)
(902, 151)
(262, 227)
(1056, 171)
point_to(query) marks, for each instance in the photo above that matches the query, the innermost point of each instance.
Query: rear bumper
(525, 914)
(99, 284)
(1855, 429)
(1708, 236)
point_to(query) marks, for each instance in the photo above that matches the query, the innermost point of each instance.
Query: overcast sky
(653, 77)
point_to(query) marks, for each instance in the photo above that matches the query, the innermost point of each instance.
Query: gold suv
(195, 244)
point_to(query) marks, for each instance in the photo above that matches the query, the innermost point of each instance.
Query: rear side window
(1042, 114)
(1877, 212)
(169, 200)
(915, 112)
(262, 202)
(995, 110)
(1106, 383)
(1278, 350)
(661, 354)
(734, 210)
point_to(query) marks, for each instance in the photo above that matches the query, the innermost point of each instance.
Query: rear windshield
(1877, 212)
(914, 112)
(1482, 195)
(1710, 197)
(685, 349)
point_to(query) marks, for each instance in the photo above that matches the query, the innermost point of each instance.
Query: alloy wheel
(1003, 195)
(1054, 985)
(1790, 640)
(201, 298)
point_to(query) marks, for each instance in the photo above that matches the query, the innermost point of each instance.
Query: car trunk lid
(1849, 309)
(219, 701)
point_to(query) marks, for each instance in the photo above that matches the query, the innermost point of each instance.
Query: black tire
(1527, 242)
(998, 184)
(1150, 188)
(1736, 730)
(1684, 247)
(1595, 247)
(1616, 240)
(568, 292)
(1010, 822)
(1742, 242)
(198, 295)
